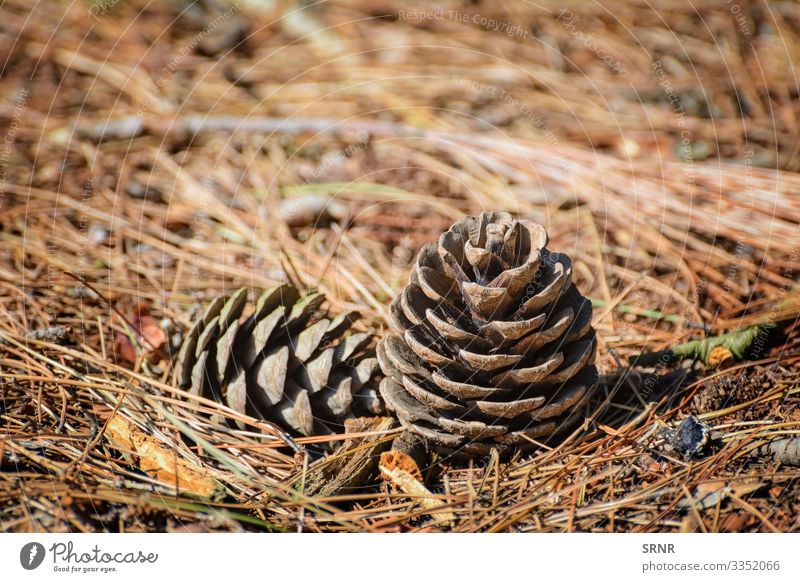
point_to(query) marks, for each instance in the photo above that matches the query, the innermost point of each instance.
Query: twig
(736, 344)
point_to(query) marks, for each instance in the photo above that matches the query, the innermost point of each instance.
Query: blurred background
(662, 140)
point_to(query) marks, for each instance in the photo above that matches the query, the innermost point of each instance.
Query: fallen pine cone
(494, 345)
(286, 361)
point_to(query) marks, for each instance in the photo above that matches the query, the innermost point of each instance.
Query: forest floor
(157, 155)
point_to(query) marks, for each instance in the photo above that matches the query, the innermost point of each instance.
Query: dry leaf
(147, 331)
(160, 462)
(736, 522)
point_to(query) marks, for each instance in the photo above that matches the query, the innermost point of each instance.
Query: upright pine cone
(495, 343)
(284, 361)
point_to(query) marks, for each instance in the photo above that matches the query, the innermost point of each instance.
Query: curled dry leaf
(159, 461)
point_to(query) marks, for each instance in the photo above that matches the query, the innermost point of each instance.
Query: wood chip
(352, 464)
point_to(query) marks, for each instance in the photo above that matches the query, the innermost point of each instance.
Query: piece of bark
(411, 486)
(352, 464)
(396, 459)
(160, 461)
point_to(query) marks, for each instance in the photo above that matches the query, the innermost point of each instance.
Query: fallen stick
(785, 451)
(712, 351)
(134, 126)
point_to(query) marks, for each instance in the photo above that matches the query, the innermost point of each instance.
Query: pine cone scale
(488, 362)
(420, 347)
(314, 375)
(558, 282)
(430, 398)
(505, 332)
(525, 376)
(509, 409)
(567, 397)
(464, 390)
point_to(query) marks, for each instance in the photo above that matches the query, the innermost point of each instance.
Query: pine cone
(495, 343)
(284, 362)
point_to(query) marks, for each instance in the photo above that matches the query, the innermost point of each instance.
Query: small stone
(691, 438)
